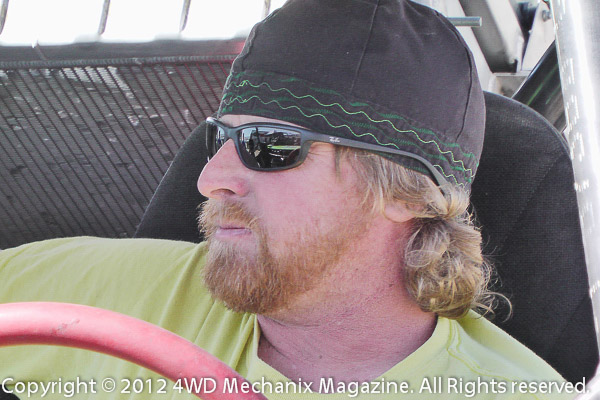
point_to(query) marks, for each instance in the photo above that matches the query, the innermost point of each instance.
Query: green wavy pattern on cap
(248, 87)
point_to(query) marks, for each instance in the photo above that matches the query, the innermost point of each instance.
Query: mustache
(214, 213)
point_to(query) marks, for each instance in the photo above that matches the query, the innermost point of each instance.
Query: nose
(224, 175)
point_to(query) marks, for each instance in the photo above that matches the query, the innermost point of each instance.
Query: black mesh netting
(82, 148)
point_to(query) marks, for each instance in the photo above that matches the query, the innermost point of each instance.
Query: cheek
(301, 210)
(284, 212)
(310, 198)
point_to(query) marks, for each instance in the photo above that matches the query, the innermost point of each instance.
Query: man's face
(276, 236)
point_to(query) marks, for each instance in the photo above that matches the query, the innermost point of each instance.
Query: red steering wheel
(135, 340)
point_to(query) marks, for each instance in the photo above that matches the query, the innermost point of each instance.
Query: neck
(346, 349)
(362, 324)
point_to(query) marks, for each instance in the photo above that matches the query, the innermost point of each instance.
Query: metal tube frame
(3, 11)
(577, 30)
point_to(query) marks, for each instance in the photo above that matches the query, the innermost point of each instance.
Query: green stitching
(369, 118)
(397, 141)
(359, 104)
(290, 79)
(353, 123)
(241, 100)
(366, 115)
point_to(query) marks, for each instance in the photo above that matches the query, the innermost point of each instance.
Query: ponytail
(444, 269)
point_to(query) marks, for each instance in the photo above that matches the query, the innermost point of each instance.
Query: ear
(397, 212)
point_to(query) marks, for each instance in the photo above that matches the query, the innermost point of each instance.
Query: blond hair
(445, 271)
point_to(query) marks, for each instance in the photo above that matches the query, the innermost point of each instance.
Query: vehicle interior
(102, 134)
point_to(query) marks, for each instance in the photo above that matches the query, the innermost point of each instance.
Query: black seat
(173, 209)
(524, 199)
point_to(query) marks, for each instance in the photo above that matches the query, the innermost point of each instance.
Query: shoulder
(79, 252)
(118, 274)
(480, 342)
(488, 351)
(88, 244)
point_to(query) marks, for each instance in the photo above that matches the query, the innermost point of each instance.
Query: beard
(257, 280)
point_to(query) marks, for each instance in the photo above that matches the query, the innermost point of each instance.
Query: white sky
(67, 21)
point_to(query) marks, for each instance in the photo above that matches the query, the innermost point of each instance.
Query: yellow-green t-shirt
(160, 282)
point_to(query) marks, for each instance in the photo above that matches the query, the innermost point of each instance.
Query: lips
(231, 230)
(225, 219)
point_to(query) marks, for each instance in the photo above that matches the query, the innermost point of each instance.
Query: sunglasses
(265, 146)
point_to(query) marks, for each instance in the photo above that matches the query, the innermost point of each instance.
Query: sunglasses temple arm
(439, 178)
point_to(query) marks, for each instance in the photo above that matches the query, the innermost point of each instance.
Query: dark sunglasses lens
(215, 138)
(267, 147)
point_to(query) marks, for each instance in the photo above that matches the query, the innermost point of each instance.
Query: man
(339, 250)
